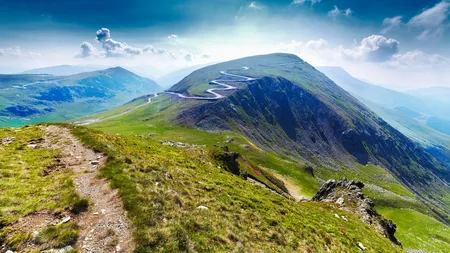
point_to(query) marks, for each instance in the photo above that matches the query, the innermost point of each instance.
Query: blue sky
(401, 44)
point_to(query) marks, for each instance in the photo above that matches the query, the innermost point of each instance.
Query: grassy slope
(386, 191)
(410, 127)
(23, 190)
(162, 187)
(418, 231)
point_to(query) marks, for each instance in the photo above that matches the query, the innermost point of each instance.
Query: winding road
(218, 82)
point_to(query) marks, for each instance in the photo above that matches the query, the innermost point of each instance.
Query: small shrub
(80, 206)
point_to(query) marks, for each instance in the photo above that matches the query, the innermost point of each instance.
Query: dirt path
(104, 227)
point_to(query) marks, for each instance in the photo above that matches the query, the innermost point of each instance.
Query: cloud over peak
(87, 50)
(375, 48)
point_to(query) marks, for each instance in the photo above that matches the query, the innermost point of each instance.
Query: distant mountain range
(426, 107)
(30, 98)
(65, 70)
(432, 93)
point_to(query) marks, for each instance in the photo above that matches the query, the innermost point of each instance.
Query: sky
(402, 44)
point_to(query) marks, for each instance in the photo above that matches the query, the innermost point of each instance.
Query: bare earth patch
(104, 226)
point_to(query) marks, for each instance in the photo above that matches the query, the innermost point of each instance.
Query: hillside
(176, 199)
(299, 130)
(36, 98)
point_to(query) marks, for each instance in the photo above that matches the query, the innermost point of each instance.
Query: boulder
(344, 192)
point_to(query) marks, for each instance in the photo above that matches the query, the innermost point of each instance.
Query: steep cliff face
(304, 114)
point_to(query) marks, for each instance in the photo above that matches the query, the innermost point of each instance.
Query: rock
(9, 251)
(202, 207)
(6, 140)
(340, 201)
(103, 211)
(94, 162)
(361, 246)
(65, 220)
(337, 216)
(344, 191)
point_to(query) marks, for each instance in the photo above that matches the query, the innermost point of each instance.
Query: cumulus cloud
(431, 21)
(17, 52)
(417, 59)
(114, 48)
(103, 35)
(87, 50)
(375, 48)
(336, 12)
(391, 24)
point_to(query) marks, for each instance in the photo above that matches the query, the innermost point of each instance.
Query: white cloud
(103, 35)
(160, 51)
(174, 39)
(336, 12)
(115, 48)
(391, 24)
(255, 5)
(87, 50)
(417, 60)
(313, 2)
(317, 44)
(16, 52)
(431, 21)
(375, 48)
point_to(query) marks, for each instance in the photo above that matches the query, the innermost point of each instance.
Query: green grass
(23, 188)
(162, 186)
(58, 236)
(418, 231)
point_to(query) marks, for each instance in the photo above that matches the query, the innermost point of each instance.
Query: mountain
(64, 70)
(438, 93)
(292, 108)
(288, 119)
(407, 113)
(34, 98)
(172, 78)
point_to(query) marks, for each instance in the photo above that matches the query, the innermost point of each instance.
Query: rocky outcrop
(349, 196)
